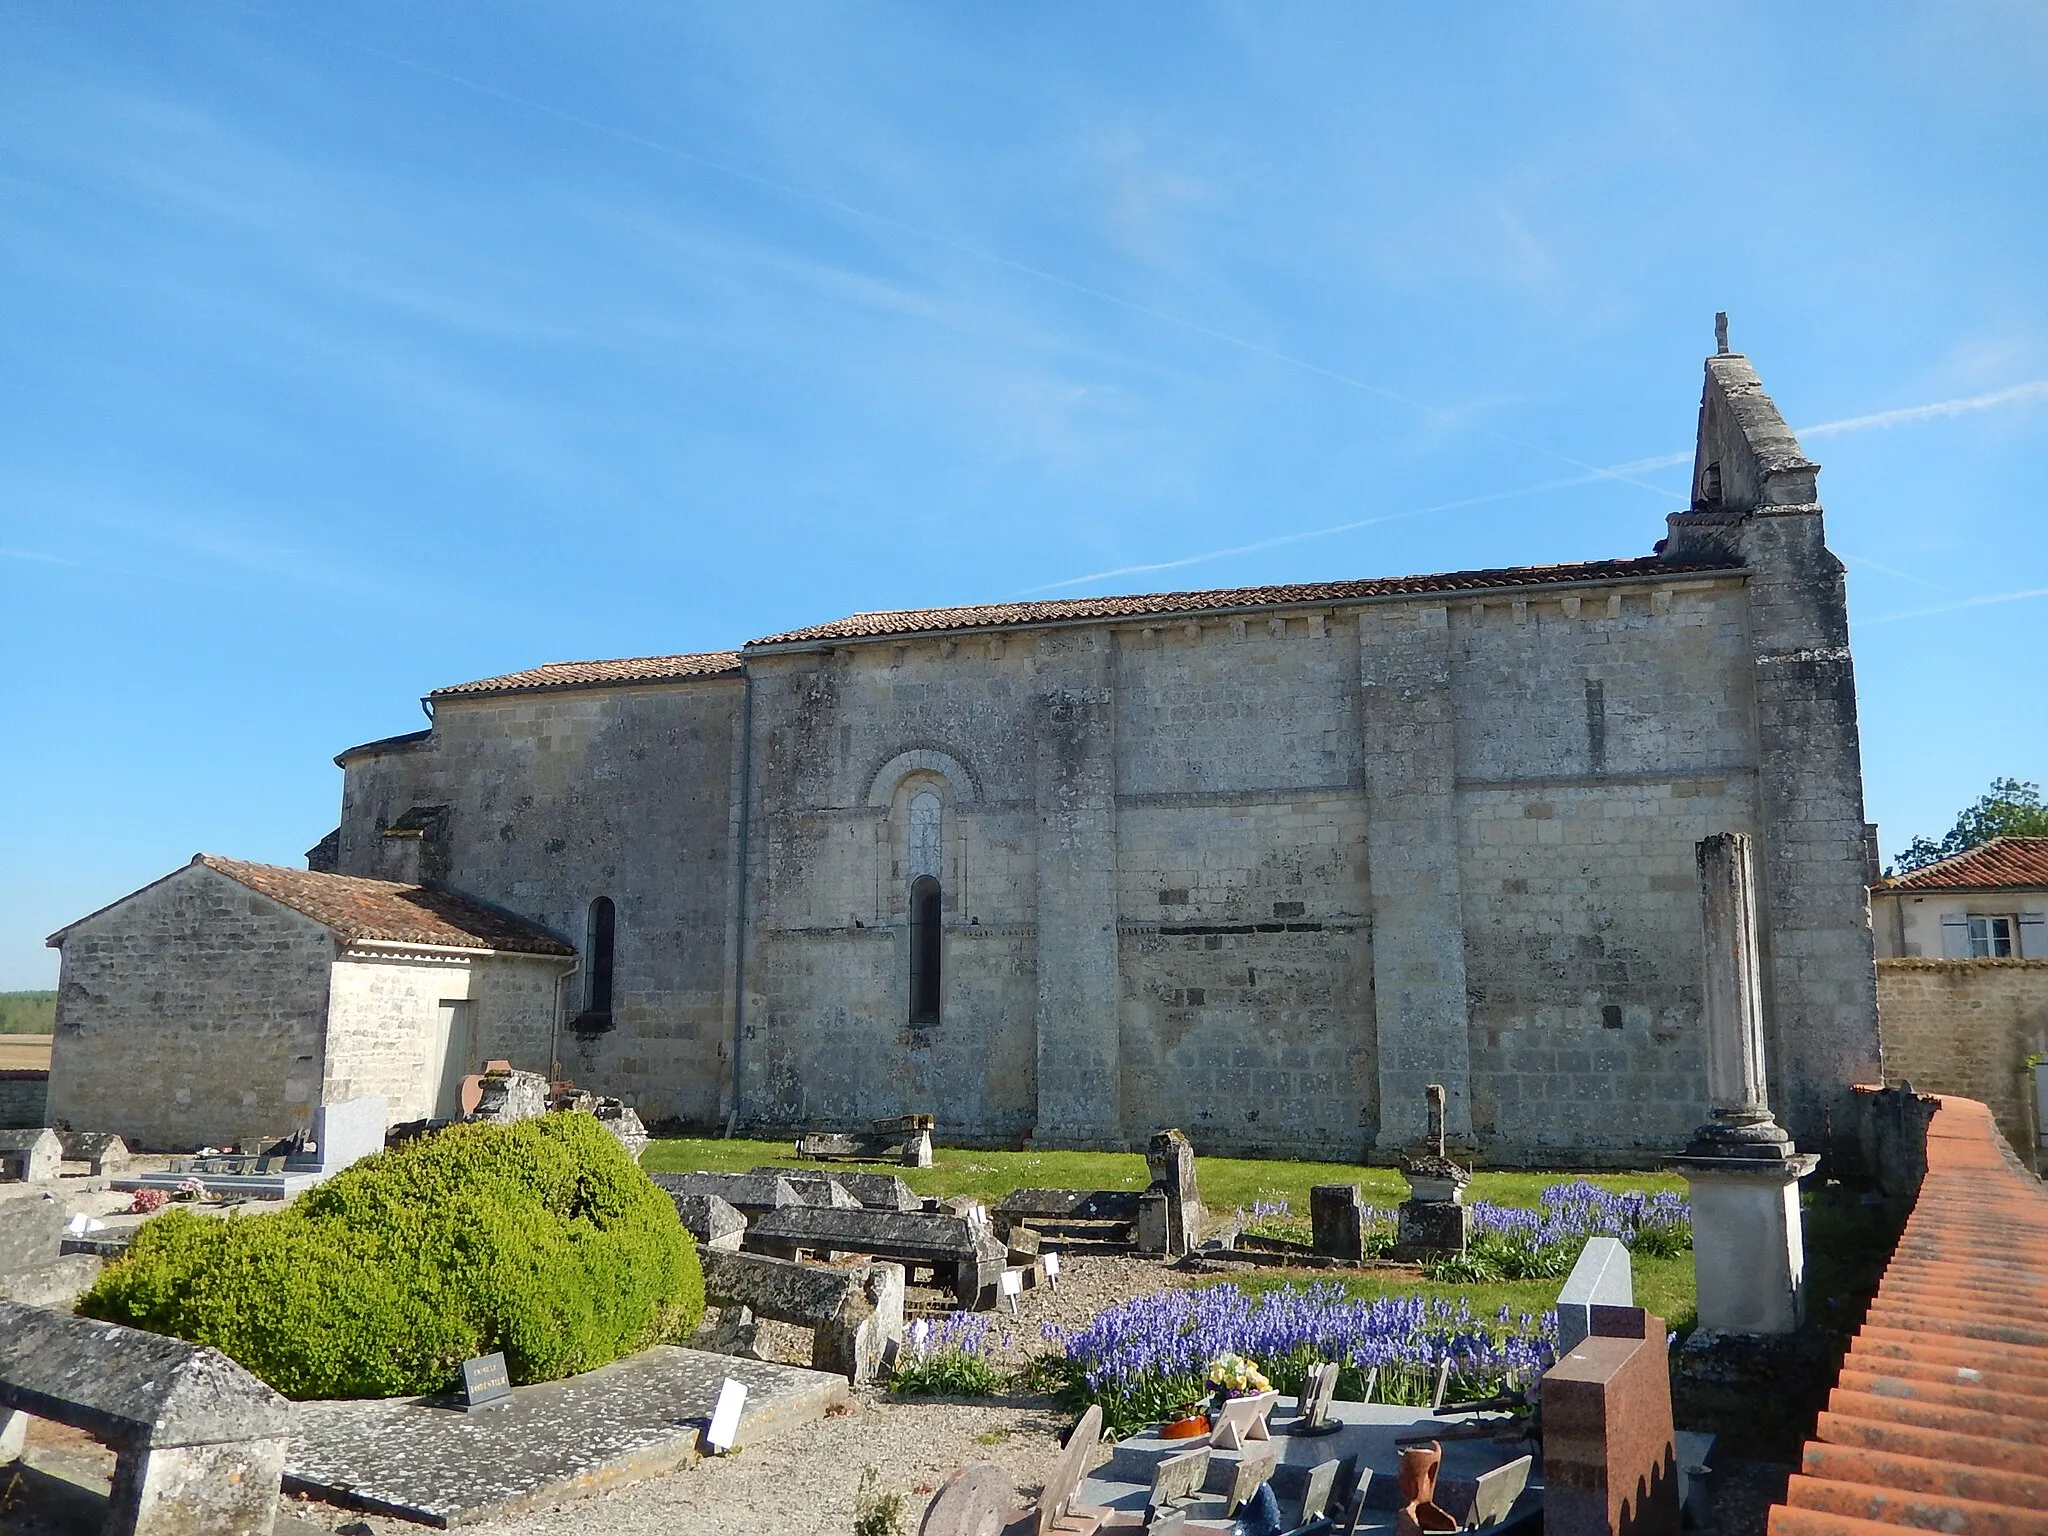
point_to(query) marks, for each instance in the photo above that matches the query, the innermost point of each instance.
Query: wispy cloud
(1957, 607)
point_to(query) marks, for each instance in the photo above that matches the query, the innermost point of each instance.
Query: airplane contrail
(1968, 602)
(2033, 389)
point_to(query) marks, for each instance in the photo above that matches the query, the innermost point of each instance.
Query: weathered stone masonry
(1258, 863)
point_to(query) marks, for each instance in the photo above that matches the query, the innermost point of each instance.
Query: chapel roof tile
(356, 908)
(868, 626)
(599, 674)
(2002, 864)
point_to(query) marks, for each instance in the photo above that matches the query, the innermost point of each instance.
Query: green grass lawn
(1664, 1286)
(1228, 1183)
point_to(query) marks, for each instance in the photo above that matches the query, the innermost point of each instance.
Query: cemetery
(531, 1312)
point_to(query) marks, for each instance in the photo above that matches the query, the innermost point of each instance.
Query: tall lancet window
(601, 932)
(927, 858)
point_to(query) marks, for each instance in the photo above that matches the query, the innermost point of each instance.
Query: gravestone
(1610, 1465)
(1177, 1477)
(1170, 1157)
(507, 1095)
(1058, 1494)
(1337, 1222)
(974, 1501)
(855, 1314)
(752, 1194)
(102, 1152)
(1246, 1478)
(1322, 1482)
(875, 1191)
(1602, 1277)
(199, 1443)
(1433, 1219)
(33, 1157)
(624, 1124)
(964, 1252)
(345, 1133)
(711, 1221)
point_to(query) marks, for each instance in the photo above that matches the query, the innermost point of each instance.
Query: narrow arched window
(597, 958)
(924, 950)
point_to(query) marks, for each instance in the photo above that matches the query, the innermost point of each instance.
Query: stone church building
(1260, 863)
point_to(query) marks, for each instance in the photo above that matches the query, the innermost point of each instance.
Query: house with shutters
(1990, 903)
(1962, 977)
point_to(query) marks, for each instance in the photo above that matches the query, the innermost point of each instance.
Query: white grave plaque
(1012, 1285)
(725, 1416)
(1052, 1269)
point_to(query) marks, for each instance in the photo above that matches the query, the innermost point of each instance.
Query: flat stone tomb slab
(426, 1460)
(1370, 1430)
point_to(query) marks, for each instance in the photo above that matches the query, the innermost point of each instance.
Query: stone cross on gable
(1435, 1136)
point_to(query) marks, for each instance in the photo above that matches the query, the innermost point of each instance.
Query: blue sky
(359, 349)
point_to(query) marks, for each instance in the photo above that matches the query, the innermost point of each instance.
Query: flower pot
(1186, 1429)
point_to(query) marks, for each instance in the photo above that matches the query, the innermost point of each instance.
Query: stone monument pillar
(1433, 1219)
(1748, 1251)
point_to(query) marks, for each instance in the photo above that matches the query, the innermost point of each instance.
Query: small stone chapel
(1260, 862)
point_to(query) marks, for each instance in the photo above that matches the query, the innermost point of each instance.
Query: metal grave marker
(485, 1382)
(724, 1427)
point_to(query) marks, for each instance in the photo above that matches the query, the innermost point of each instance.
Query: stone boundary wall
(24, 1098)
(1965, 1027)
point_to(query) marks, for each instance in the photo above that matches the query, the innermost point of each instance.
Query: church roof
(867, 626)
(597, 674)
(2002, 864)
(357, 908)
(385, 910)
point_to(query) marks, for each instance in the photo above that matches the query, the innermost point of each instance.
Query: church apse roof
(600, 674)
(868, 626)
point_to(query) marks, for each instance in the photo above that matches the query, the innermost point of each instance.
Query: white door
(454, 1053)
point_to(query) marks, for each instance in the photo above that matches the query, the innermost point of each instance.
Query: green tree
(2012, 808)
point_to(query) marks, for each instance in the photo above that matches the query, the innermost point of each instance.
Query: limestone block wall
(1965, 1027)
(1627, 740)
(189, 1014)
(842, 740)
(518, 1006)
(383, 1027)
(557, 798)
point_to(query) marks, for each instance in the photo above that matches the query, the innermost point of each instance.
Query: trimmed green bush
(542, 1239)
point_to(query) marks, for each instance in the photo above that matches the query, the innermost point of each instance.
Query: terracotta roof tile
(2003, 864)
(866, 626)
(1939, 1420)
(383, 909)
(599, 674)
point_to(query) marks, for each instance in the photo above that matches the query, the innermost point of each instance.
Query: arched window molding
(890, 776)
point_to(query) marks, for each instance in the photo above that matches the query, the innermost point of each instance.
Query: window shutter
(2033, 936)
(1955, 938)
